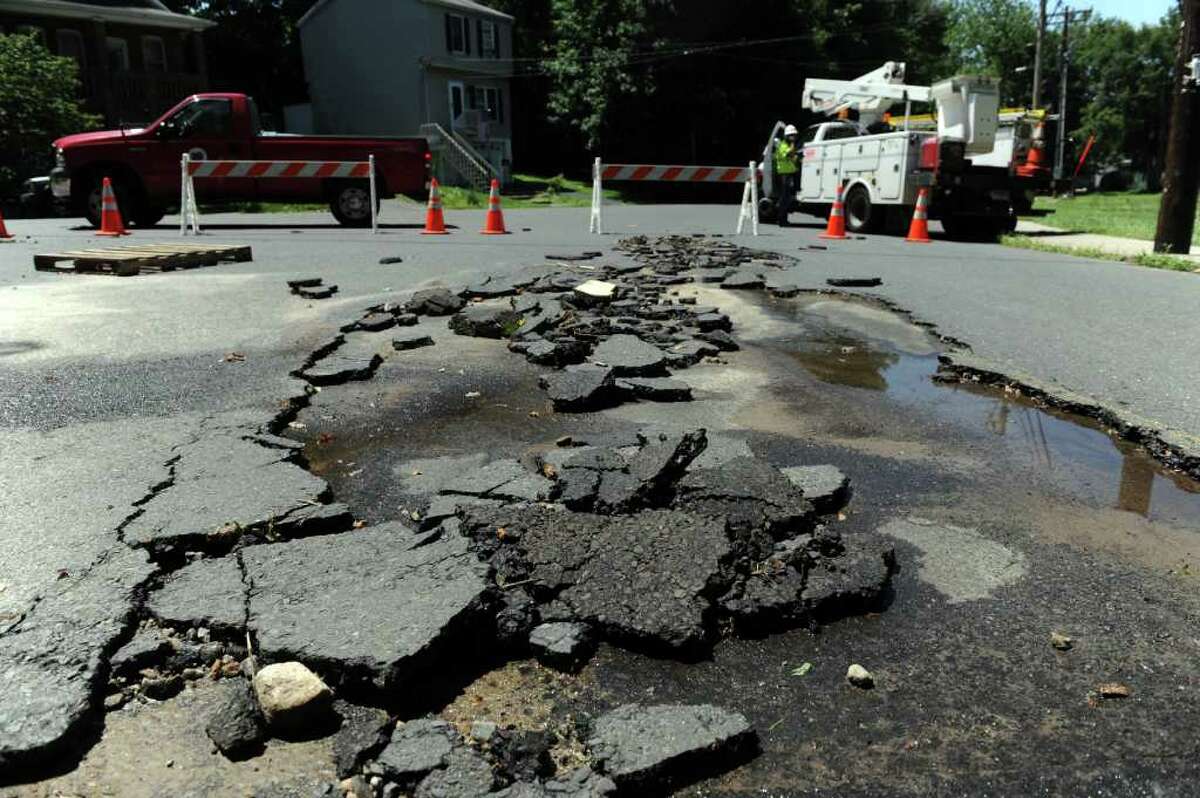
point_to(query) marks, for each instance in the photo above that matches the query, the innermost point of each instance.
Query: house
(136, 58)
(438, 68)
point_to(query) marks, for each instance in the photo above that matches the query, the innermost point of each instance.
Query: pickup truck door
(204, 129)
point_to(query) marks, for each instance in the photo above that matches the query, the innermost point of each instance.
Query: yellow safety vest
(785, 158)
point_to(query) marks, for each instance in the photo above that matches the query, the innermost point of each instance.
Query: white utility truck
(881, 170)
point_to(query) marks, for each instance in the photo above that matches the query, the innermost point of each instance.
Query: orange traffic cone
(837, 219)
(435, 224)
(110, 214)
(918, 231)
(4, 230)
(1035, 160)
(493, 223)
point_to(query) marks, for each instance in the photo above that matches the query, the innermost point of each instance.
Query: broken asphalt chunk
(466, 775)
(644, 579)
(824, 485)
(720, 339)
(629, 356)
(713, 321)
(335, 368)
(304, 282)
(580, 388)
(651, 749)
(236, 725)
(318, 292)
(216, 511)
(855, 282)
(656, 389)
(361, 736)
(416, 748)
(404, 342)
(374, 322)
(743, 279)
(362, 605)
(564, 646)
(208, 592)
(487, 320)
(434, 302)
(750, 494)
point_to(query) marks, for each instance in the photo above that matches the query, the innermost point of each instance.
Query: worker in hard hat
(787, 163)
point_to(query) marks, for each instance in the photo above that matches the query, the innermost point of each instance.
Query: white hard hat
(790, 130)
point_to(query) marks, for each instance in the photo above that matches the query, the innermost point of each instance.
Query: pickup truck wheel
(148, 215)
(859, 212)
(351, 205)
(125, 201)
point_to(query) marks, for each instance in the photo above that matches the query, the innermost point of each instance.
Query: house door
(457, 104)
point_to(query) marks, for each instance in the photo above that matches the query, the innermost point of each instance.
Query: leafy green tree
(38, 103)
(1121, 79)
(255, 47)
(591, 61)
(994, 37)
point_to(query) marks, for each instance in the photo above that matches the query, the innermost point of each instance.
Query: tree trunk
(1181, 177)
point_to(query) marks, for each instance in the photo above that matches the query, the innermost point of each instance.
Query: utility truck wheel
(351, 204)
(860, 215)
(766, 209)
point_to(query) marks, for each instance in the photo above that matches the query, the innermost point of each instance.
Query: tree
(255, 47)
(38, 103)
(993, 37)
(591, 61)
(1121, 84)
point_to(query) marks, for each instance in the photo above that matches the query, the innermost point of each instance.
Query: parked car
(144, 163)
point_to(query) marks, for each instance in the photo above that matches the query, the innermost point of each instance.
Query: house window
(70, 45)
(117, 53)
(154, 54)
(489, 40)
(493, 104)
(458, 39)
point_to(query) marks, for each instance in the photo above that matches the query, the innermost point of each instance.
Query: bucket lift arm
(871, 95)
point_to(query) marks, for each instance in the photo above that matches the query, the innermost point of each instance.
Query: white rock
(859, 676)
(291, 696)
(596, 289)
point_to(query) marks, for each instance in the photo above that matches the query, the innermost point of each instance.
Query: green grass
(1122, 214)
(1151, 260)
(529, 191)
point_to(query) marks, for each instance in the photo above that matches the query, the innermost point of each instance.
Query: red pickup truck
(144, 163)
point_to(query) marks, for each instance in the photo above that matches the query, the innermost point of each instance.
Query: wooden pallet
(132, 259)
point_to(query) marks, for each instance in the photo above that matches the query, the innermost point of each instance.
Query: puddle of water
(846, 343)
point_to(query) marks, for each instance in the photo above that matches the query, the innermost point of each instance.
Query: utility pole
(1181, 175)
(1064, 57)
(1037, 54)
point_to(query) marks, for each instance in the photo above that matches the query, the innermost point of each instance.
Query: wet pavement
(1010, 522)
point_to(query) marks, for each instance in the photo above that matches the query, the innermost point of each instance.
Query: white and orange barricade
(189, 211)
(748, 211)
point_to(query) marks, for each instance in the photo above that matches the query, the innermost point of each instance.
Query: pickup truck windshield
(204, 119)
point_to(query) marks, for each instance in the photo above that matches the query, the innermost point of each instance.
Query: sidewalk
(1113, 245)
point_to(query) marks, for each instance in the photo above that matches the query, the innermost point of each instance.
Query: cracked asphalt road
(102, 379)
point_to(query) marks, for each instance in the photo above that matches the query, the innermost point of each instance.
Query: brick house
(136, 58)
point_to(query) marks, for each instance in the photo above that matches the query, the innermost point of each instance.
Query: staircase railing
(459, 153)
